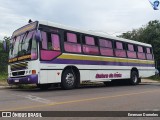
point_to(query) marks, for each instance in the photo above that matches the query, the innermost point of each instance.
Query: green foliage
(3, 58)
(155, 77)
(150, 34)
(25, 86)
(3, 76)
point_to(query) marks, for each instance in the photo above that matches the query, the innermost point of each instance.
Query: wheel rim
(135, 79)
(70, 79)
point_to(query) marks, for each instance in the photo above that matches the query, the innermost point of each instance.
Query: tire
(44, 86)
(134, 80)
(68, 79)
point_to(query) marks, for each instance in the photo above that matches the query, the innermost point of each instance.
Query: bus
(46, 53)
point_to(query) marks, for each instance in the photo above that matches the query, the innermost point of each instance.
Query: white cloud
(112, 17)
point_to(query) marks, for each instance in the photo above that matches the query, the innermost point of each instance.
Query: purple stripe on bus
(30, 79)
(87, 62)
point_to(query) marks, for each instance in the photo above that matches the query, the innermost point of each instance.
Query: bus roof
(91, 33)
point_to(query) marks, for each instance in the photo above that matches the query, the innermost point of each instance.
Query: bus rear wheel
(68, 79)
(134, 80)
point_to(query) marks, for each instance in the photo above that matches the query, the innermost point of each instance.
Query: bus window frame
(95, 41)
(144, 52)
(151, 53)
(124, 48)
(134, 48)
(78, 35)
(100, 38)
(40, 43)
(51, 41)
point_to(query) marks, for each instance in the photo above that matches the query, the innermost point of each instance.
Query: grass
(23, 86)
(3, 76)
(155, 77)
(3, 79)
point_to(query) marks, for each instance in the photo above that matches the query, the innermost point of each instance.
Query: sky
(112, 17)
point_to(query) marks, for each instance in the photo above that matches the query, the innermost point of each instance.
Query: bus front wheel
(68, 79)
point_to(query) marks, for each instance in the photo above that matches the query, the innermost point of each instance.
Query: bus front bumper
(30, 79)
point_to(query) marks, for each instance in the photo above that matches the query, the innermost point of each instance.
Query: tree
(4, 57)
(150, 34)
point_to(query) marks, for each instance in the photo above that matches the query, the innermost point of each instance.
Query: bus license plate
(16, 81)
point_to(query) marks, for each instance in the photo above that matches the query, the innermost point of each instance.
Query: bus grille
(19, 66)
(18, 73)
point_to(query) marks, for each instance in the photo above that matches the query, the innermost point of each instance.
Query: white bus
(45, 53)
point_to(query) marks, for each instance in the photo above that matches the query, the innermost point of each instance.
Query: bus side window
(141, 53)
(149, 54)
(89, 46)
(105, 43)
(106, 48)
(72, 44)
(71, 37)
(140, 49)
(89, 40)
(120, 51)
(119, 45)
(130, 47)
(131, 53)
(44, 40)
(148, 50)
(55, 42)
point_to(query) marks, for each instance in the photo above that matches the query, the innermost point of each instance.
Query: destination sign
(20, 58)
(24, 29)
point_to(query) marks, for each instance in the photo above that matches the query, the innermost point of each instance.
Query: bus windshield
(22, 45)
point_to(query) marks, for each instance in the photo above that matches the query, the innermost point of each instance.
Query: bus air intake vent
(19, 66)
(18, 73)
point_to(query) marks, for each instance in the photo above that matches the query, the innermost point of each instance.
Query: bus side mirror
(4, 45)
(38, 36)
